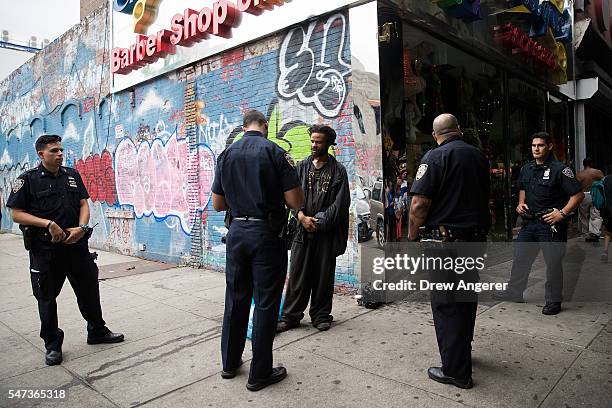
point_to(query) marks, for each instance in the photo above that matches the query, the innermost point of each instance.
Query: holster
(227, 221)
(278, 222)
(27, 237)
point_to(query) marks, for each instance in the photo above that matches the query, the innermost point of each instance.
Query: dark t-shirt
(252, 174)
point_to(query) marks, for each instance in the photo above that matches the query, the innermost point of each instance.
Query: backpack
(598, 194)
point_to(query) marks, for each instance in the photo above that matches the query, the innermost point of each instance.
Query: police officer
(50, 204)
(450, 199)
(254, 180)
(548, 193)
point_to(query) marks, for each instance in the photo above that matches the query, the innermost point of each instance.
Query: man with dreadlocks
(321, 236)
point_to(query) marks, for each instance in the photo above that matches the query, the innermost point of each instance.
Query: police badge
(421, 171)
(17, 184)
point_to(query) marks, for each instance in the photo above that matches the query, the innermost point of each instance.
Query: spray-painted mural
(147, 155)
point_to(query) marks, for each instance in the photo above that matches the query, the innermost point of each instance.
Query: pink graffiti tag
(99, 177)
(155, 178)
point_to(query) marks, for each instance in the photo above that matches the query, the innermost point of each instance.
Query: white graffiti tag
(312, 67)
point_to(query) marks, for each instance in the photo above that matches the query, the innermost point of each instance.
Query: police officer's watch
(85, 227)
(563, 213)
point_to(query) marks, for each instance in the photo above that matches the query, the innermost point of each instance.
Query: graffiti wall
(147, 155)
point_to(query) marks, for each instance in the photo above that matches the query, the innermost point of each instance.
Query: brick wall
(88, 6)
(148, 154)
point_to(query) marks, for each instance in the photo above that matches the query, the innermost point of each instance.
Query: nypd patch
(567, 172)
(421, 171)
(17, 184)
(289, 159)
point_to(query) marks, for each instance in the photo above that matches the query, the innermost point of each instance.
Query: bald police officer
(50, 204)
(450, 199)
(254, 180)
(548, 193)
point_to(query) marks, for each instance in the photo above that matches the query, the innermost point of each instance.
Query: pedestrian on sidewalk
(254, 179)
(321, 236)
(450, 199)
(589, 216)
(49, 202)
(548, 193)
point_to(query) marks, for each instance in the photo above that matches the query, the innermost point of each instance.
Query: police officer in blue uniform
(548, 193)
(450, 201)
(50, 204)
(254, 180)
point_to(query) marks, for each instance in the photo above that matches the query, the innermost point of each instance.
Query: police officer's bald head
(446, 125)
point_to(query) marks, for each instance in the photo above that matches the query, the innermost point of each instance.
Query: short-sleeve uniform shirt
(252, 174)
(547, 185)
(455, 176)
(45, 195)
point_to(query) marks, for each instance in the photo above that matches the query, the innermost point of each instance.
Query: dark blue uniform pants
(48, 271)
(454, 311)
(534, 236)
(256, 267)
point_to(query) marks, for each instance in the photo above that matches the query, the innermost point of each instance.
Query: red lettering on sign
(186, 29)
(177, 29)
(164, 45)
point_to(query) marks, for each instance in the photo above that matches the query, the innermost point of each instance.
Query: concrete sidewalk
(171, 356)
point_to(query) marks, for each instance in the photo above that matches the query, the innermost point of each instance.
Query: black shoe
(551, 308)
(278, 374)
(507, 297)
(53, 357)
(436, 374)
(323, 326)
(108, 337)
(231, 373)
(284, 325)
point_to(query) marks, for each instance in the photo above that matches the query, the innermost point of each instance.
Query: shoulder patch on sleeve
(289, 159)
(17, 184)
(421, 171)
(567, 172)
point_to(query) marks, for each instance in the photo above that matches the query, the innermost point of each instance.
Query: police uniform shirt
(252, 174)
(548, 185)
(53, 197)
(455, 176)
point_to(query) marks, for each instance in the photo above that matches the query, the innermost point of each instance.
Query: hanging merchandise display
(544, 15)
(466, 10)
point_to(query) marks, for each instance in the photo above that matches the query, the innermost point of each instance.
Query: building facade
(143, 121)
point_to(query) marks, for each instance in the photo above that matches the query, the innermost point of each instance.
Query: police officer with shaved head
(254, 180)
(450, 196)
(49, 202)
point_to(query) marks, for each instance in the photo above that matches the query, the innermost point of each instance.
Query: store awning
(592, 89)
(591, 45)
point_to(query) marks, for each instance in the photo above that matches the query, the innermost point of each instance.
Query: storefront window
(502, 91)
(439, 78)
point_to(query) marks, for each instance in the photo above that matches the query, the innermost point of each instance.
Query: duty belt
(442, 233)
(247, 218)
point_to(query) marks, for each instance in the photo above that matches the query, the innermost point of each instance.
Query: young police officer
(450, 198)
(254, 180)
(50, 204)
(548, 193)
